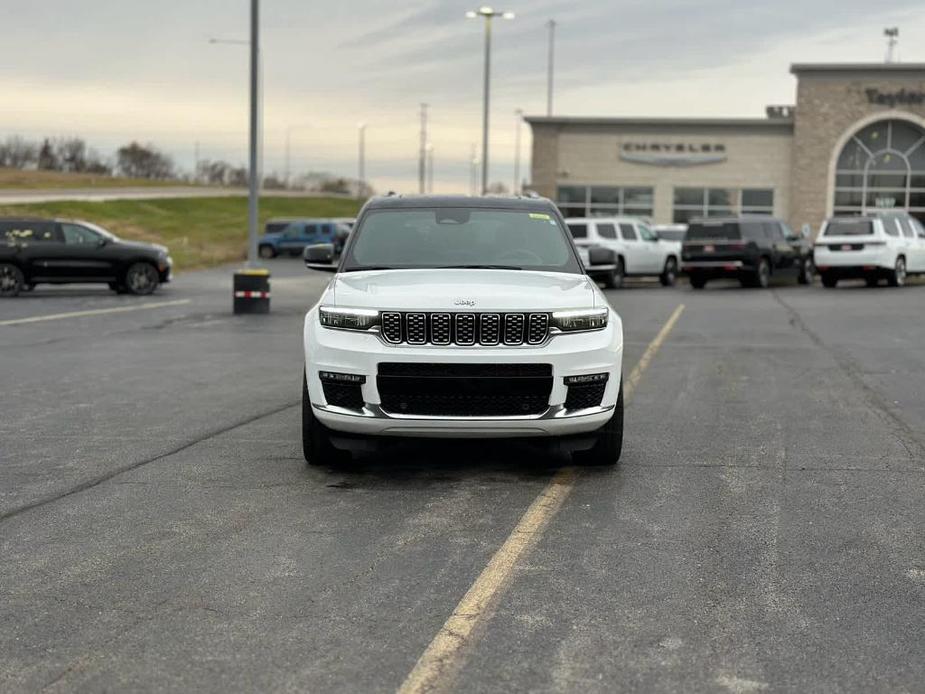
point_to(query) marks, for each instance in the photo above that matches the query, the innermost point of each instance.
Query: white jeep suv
(880, 245)
(459, 317)
(639, 250)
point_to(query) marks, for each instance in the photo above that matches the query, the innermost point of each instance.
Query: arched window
(882, 166)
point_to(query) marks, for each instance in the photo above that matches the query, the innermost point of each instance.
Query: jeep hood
(462, 290)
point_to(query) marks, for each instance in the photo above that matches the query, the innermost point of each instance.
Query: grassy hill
(200, 232)
(23, 180)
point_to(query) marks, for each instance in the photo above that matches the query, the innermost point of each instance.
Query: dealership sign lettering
(673, 153)
(903, 97)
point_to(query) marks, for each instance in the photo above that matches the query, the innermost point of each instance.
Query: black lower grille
(465, 390)
(582, 395)
(343, 395)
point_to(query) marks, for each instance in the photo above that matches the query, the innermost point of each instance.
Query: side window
(773, 231)
(628, 232)
(29, 232)
(327, 231)
(579, 231)
(293, 231)
(646, 233)
(906, 227)
(917, 227)
(890, 226)
(754, 231)
(75, 234)
(789, 234)
(311, 231)
(607, 231)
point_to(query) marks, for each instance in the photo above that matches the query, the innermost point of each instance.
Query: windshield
(671, 234)
(700, 231)
(849, 227)
(460, 238)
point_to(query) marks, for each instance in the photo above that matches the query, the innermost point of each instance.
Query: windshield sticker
(539, 215)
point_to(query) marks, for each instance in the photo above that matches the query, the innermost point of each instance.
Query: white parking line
(95, 312)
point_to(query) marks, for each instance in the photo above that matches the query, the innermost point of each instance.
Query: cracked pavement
(765, 530)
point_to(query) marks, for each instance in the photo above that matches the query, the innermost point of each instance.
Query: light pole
(488, 14)
(289, 131)
(361, 159)
(519, 115)
(892, 36)
(550, 63)
(422, 154)
(254, 175)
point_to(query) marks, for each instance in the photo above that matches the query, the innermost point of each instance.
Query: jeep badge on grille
(464, 302)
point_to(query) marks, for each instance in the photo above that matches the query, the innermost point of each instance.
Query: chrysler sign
(673, 153)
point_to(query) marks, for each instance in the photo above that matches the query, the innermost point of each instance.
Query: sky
(112, 71)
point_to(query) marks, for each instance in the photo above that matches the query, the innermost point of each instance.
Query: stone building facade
(854, 140)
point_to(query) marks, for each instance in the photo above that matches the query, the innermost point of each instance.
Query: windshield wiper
(480, 267)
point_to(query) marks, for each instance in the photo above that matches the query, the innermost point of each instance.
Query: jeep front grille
(465, 329)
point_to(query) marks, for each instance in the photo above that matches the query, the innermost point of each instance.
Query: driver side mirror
(319, 256)
(102, 242)
(602, 256)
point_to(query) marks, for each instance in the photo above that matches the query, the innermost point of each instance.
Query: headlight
(349, 318)
(580, 320)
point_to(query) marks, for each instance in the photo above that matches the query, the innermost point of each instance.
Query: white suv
(877, 246)
(461, 317)
(639, 250)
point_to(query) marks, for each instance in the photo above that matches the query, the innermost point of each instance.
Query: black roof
(735, 218)
(495, 202)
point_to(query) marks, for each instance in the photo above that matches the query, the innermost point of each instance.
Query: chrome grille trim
(391, 327)
(538, 328)
(416, 328)
(514, 328)
(443, 328)
(490, 329)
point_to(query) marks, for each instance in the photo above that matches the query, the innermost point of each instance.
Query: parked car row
(63, 251)
(880, 246)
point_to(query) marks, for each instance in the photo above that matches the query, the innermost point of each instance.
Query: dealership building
(854, 140)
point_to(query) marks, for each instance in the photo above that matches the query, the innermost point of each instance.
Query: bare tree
(143, 161)
(17, 153)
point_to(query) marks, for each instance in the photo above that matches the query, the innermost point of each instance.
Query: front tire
(806, 271)
(609, 445)
(698, 281)
(670, 274)
(267, 252)
(141, 279)
(11, 280)
(317, 448)
(614, 280)
(898, 276)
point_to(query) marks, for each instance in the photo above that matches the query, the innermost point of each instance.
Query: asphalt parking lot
(159, 530)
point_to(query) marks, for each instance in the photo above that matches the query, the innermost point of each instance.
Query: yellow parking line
(435, 668)
(95, 312)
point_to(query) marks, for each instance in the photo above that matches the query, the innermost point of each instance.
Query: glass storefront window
(881, 167)
(605, 201)
(720, 202)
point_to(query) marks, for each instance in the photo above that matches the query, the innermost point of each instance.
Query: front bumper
(360, 354)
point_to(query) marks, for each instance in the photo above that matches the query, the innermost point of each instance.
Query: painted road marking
(95, 312)
(442, 658)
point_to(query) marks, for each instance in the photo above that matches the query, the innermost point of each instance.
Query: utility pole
(361, 160)
(550, 63)
(519, 115)
(892, 36)
(254, 174)
(422, 155)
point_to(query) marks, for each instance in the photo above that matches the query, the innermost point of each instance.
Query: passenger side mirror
(320, 256)
(602, 256)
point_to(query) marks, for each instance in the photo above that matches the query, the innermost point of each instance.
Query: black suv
(749, 249)
(57, 251)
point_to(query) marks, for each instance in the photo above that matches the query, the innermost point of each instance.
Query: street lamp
(488, 14)
(519, 115)
(361, 158)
